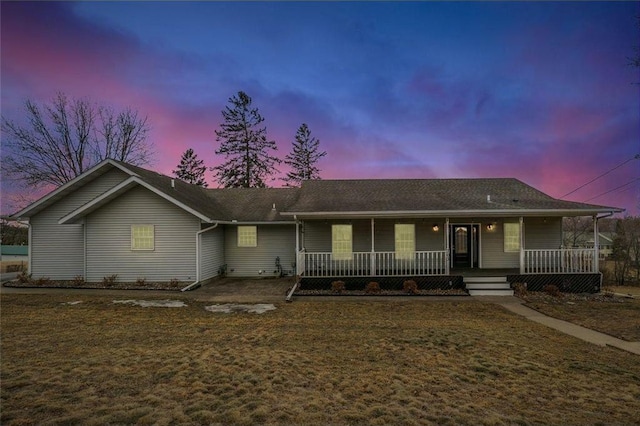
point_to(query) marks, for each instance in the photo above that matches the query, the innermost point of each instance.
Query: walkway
(515, 305)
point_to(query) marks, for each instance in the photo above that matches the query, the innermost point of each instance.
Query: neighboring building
(14, 253)
(13, 258)
(120, 219)
(585, 240)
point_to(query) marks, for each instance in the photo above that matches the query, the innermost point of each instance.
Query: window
(142, 237)
(247, 236)
(405, 241)
(341, 242)
(511, 237)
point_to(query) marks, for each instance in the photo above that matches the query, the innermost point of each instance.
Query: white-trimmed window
(142, 237)
(341, 242)
(511, 237)
(247, 236)
(405, 241)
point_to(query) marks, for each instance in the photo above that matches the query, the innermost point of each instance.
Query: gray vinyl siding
(492, 246)
(273, 241)
(58, 251)
(317, 235)
(109, 239)
(211, 252)
(539, 233)
(542, 233)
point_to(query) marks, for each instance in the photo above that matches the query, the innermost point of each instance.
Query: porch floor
(477, 272)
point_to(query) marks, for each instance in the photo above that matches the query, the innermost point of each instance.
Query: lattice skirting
(567, 283)
(386, 283)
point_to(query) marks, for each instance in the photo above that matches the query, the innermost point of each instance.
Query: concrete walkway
(515, 305)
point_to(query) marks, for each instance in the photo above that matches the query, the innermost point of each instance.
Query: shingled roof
(229, 204)
(332, 198)
(431, 196)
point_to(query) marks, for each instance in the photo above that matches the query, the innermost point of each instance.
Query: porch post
(446, 247)
(522, 268)
(596, 245)
(298, 265)
(372, 272)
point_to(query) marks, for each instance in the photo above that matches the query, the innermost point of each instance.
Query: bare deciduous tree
(576, 230)
(63, 139)
(626, 249)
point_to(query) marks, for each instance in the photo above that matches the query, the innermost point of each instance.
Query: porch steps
(488, 286)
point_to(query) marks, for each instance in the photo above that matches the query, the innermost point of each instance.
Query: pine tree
(303, 157)
(191, 169)
(245, 146)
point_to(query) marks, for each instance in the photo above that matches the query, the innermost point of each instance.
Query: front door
(464, 246)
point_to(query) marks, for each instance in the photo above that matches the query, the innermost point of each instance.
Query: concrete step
(483, 286)
(491, 292)
(485, 279)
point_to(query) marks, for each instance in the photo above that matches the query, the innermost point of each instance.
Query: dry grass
(13, 266)
(618, 317)
(415, 362)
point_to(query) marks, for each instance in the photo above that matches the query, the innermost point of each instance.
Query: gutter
(444, 213)
(196, 283)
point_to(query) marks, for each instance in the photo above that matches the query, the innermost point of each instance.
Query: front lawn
(308, 362)
(619, 317)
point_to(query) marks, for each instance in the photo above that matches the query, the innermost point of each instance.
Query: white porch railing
(558, 261)
(362, 264)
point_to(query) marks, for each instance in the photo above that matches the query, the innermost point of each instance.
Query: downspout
(596, 244)
(198, 239)
(522, 257)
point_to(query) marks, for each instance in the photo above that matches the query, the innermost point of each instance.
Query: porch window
(511, 237)
(247, 236)
(405, 241)
(341, 242)
(142, 237)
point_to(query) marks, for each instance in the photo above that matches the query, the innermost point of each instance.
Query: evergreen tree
(303, 157)
(245, 146)
(191, 169)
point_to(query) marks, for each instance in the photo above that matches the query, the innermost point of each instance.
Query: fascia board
(453, 213)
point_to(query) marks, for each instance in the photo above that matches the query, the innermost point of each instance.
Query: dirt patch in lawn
(371, 362)
(616, 316)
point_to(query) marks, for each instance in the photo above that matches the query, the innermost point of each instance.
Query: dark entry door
(464, 246)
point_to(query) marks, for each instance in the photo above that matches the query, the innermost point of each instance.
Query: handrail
(361, 264)
(558, 261)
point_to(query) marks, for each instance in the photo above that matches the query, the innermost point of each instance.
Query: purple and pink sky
(537, 91)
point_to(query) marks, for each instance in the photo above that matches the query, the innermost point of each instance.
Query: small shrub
(337, 286)
(410, 286)
(520, 289)
(141, 281)
(43, 281)
(109, 280)
(78, 281)
(174, 282)
(24, 278)
(552, 290)
(372, 287)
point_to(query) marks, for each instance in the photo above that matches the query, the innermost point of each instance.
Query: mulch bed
(100, 285)
(571, 298)
(456, 292)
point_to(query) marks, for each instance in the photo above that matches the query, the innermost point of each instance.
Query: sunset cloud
(536, 91)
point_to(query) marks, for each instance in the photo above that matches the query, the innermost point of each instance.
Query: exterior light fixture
(436, 228)
(490, 227)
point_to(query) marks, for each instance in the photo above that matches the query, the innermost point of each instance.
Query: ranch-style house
(480, 234)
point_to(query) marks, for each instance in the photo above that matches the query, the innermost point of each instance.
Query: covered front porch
(422, 247)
